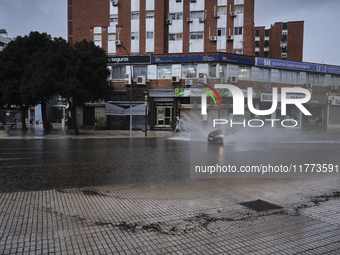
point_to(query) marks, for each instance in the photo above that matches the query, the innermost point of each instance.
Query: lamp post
(146, 112)
(130, 91)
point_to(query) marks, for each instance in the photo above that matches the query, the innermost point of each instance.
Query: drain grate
(260, 205)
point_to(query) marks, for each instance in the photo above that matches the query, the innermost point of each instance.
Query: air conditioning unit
(189, 82)
(233, 14)
(189, 20)
(202, 78)
(232, 79)
(127, 79)
(308, 85)
(114, 2)
(201, 20)
(283, 55)
(168, 21)
(216, 15)
(175, 79)
(213, 38)
(141, 80)
(118, 43)
(284, 32)
(230, 37)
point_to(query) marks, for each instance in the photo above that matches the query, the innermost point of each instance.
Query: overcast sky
(321, 34)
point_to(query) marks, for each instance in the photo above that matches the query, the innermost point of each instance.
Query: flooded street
(31, 164)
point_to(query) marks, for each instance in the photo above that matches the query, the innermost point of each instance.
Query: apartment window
(284, 38)
(284, 26)
(244, 73)
(238, 31)
(149, 35)
(238, 8)
(114, 19)
(150, 14)
(266, 54)
(197, 15)
(212, 71)
(134, 35)
(97, 37)
(175, 37)
(222, 9)
(257, 33)
(118, 72)
(266, 33)
(135, 15)
(164, 72)
(221, 31)
(140, 71)
(111, 37)
(257, 53)
(257, 43)
(196, 36)
(176, 16)
(189, 71)
(284, 50)
(266, 43)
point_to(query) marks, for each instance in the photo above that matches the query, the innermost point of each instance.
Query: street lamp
(130, 91)
(146, 112)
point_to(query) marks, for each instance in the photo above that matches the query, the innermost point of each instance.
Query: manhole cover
(260, 205)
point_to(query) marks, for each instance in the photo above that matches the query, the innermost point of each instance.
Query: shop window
(164, 72)
(265, 75)
(189, 71)
(244, 73)
(140, 71)
(212, 71)
(222, 71)
(118, 72)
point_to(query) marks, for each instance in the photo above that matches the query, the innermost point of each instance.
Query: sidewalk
(185, 217)
(37, 132)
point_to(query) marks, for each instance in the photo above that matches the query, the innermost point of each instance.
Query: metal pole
(130, 91)
(146, 115)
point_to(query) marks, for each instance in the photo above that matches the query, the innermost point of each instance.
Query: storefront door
(163, 116)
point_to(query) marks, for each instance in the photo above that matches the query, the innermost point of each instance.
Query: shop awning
(136, 110)
(112, 109)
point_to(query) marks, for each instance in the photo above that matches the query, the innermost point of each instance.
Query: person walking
(178, 127)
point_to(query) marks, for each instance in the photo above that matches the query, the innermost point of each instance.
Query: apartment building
(283, 40)
(169, 49)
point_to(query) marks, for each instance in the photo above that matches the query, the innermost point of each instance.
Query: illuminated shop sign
(297, 66)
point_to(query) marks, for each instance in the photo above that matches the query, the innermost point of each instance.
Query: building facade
(169, 49)
(283, 40)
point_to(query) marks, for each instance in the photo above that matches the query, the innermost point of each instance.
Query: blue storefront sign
(297, 66)
(203, 58)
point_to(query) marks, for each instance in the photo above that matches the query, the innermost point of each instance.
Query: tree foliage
(35, 68)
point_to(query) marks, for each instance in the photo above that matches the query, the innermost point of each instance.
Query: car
(216, 136)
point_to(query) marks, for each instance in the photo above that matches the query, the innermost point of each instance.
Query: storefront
(333, 112)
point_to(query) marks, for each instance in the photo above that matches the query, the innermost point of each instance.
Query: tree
(23, 69)
(85, 77)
